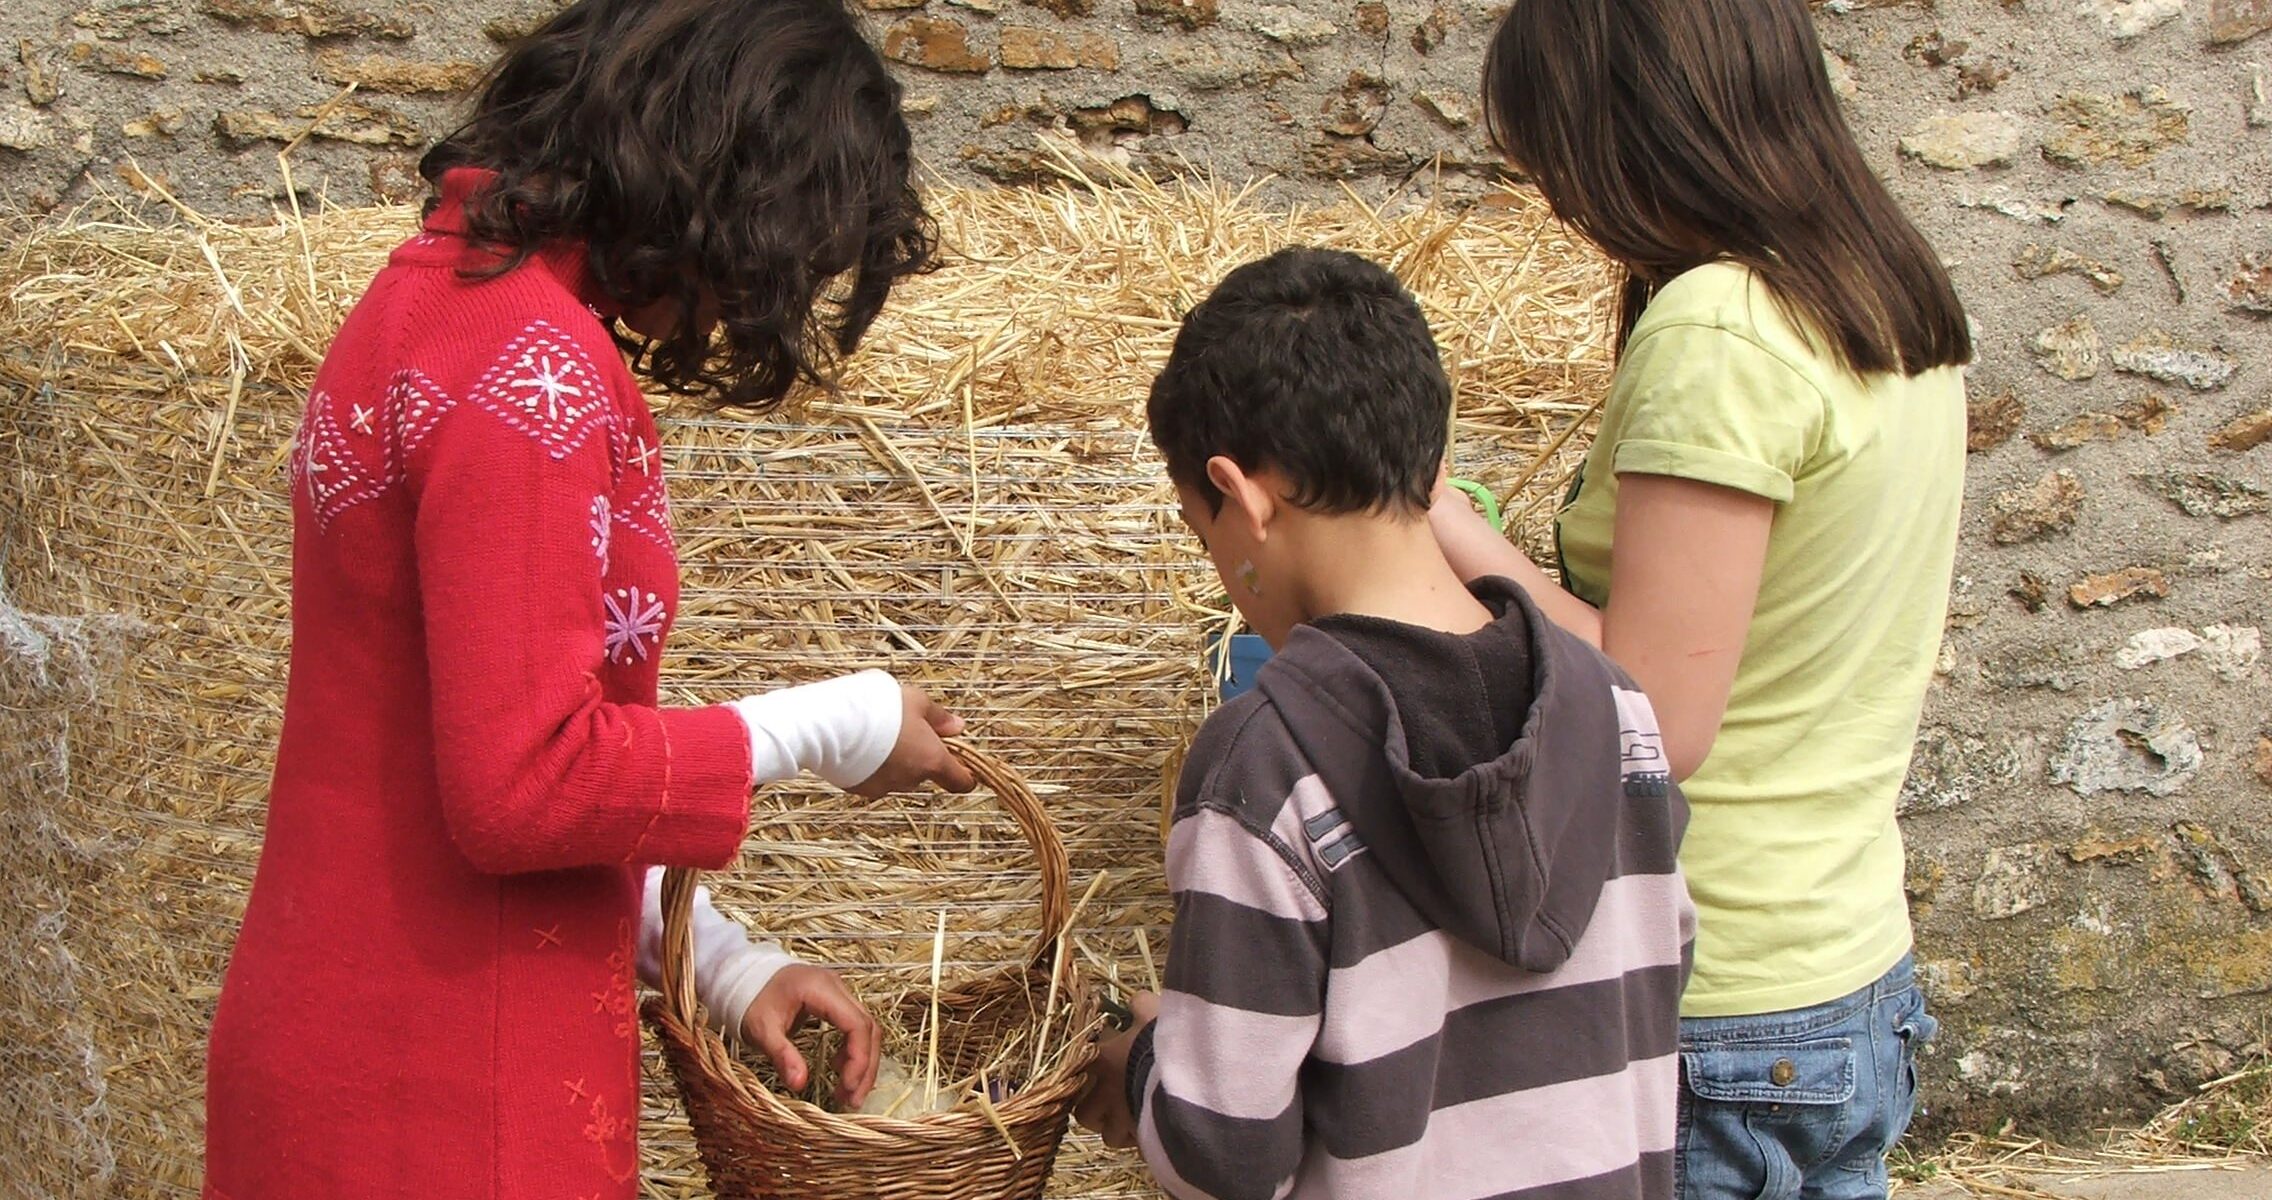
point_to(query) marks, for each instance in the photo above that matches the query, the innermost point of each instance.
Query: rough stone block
(936, 44)
(359, 124)
(2012, 881)
(309, 18)
(1331, 157)
(2125, 745)
(1966, 141)
(521, 20)
(1841, 73)
(1190, 14)
(43, 74)
(25, 130)
(2038, 261)
(2114, 587)
(2071, 349)
(118, 19)
(163, 122)
(2158, 355)
(2248, 285)
(2007, 202)
(2147, 415)
(2232, 22)
(2233, 650)
(2028, 514)
(2244, 433)
(1290, 26)
(1356, 109)
(1446, 106)
(1433, 29)
(388, 75)
(1980, 74)
(2157, 204)
(2058, 667)
(2204, 494)
(2032, 592)
(1991, 420)
(2149, 646)
(2127, 19)
(1951, 769)
(1028, 49)
(118, 60)
(2129, 128)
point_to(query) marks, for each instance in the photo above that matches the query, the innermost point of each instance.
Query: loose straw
(938, 959)
(1151, 972)
(1057, 970)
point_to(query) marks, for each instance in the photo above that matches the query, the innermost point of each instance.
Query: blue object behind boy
(1430, 934)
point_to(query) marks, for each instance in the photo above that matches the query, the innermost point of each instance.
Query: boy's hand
(919, 754)
(1105, 1109)
(799, 993)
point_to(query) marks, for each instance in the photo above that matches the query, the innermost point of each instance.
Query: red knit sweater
(431, 996)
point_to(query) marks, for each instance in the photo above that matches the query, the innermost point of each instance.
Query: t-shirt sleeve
(1709, 404)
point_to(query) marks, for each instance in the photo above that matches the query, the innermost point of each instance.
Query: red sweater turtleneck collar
(566, 260)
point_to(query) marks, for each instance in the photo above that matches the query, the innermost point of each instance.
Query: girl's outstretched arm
(1683, 581)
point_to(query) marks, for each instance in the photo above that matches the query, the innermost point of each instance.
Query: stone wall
(2092, 864)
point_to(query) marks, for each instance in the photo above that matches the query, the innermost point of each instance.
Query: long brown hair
(1674, 133)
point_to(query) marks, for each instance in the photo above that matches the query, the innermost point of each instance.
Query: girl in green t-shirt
(1763, 536)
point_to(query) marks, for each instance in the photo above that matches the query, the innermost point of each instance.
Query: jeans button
(1783, 1072)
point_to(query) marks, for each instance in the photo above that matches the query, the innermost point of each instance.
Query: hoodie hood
(1509, 853)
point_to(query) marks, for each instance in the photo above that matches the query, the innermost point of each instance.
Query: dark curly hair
(742, 158)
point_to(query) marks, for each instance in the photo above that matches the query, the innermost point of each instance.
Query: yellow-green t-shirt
(1792, 854)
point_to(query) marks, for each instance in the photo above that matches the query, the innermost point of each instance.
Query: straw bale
(976, 509)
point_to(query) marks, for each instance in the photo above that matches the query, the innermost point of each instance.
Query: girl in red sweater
(432, 993)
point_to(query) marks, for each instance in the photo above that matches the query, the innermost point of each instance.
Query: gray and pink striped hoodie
(1430, 933)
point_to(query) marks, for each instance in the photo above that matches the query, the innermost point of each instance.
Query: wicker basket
(759, 1144)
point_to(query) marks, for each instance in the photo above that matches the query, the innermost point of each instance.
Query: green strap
(1483, 500)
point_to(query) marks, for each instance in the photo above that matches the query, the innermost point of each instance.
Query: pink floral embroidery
(603, 529)
(634, 623)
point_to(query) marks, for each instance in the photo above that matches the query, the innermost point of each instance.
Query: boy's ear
(1254, 504)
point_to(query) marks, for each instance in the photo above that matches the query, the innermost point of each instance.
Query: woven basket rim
(1043, 1099)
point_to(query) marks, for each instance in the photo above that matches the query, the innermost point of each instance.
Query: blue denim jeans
(1800, 1105)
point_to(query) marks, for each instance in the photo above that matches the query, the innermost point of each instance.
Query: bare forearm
(1476, 550)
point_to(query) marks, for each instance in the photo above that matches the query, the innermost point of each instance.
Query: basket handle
(1010, 791)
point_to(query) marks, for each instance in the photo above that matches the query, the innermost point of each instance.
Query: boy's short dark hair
(1316, 363)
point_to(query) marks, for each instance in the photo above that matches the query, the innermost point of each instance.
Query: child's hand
(797, 994)
(919, 754)
(1105, 1109)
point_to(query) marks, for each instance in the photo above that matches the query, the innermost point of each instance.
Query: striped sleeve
(1217, 1088)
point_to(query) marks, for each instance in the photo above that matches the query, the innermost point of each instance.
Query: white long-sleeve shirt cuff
(729, 969)
(840, 729)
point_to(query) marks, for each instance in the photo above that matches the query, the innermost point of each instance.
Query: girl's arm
(1475, 550)
(729, 969)
(1683, 580)
(538, 769)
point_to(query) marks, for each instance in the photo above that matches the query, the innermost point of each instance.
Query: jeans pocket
(1816, 1071)
(1914, 1027)
(1773, 1111)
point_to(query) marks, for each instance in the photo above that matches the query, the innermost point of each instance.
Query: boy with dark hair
(1430, 934)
